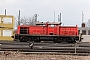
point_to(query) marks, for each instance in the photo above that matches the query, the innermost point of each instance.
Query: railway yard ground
(18, 56)
(16, 50)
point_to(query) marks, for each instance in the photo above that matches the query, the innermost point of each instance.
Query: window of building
(83, 32)
(88, 32)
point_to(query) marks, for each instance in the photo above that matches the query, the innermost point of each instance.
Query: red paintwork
(53, 30)
(68, 31)
(37, 30)
(49, 30)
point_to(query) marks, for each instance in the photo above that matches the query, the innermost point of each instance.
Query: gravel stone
(19, 56)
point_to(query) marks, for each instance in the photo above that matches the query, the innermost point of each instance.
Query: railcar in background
(49, 31)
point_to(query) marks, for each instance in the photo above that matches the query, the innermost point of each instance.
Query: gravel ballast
(19, 56)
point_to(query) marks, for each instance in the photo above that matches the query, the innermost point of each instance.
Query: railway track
(46, 47)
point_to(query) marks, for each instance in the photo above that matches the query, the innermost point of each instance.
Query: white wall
(86, 38)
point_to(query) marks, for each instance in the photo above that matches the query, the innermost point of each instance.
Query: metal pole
(35, 17)
(54, 16)
(82, 16)
(5, 11)
(75, 48)
(60, 17)
(19, 18)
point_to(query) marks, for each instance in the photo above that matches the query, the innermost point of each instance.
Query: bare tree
(23, 21)
(28, 21)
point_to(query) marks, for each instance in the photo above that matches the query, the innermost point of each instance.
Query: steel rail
(46, 47)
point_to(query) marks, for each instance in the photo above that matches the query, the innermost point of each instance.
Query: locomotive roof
(50, 23)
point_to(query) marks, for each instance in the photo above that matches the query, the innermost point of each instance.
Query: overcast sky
(71, 9)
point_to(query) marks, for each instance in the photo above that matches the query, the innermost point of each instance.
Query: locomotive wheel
(57, 40)
(36, 39)
(71, 40)
(23, 39)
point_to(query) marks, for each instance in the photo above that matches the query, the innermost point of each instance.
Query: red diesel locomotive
(49, 31)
